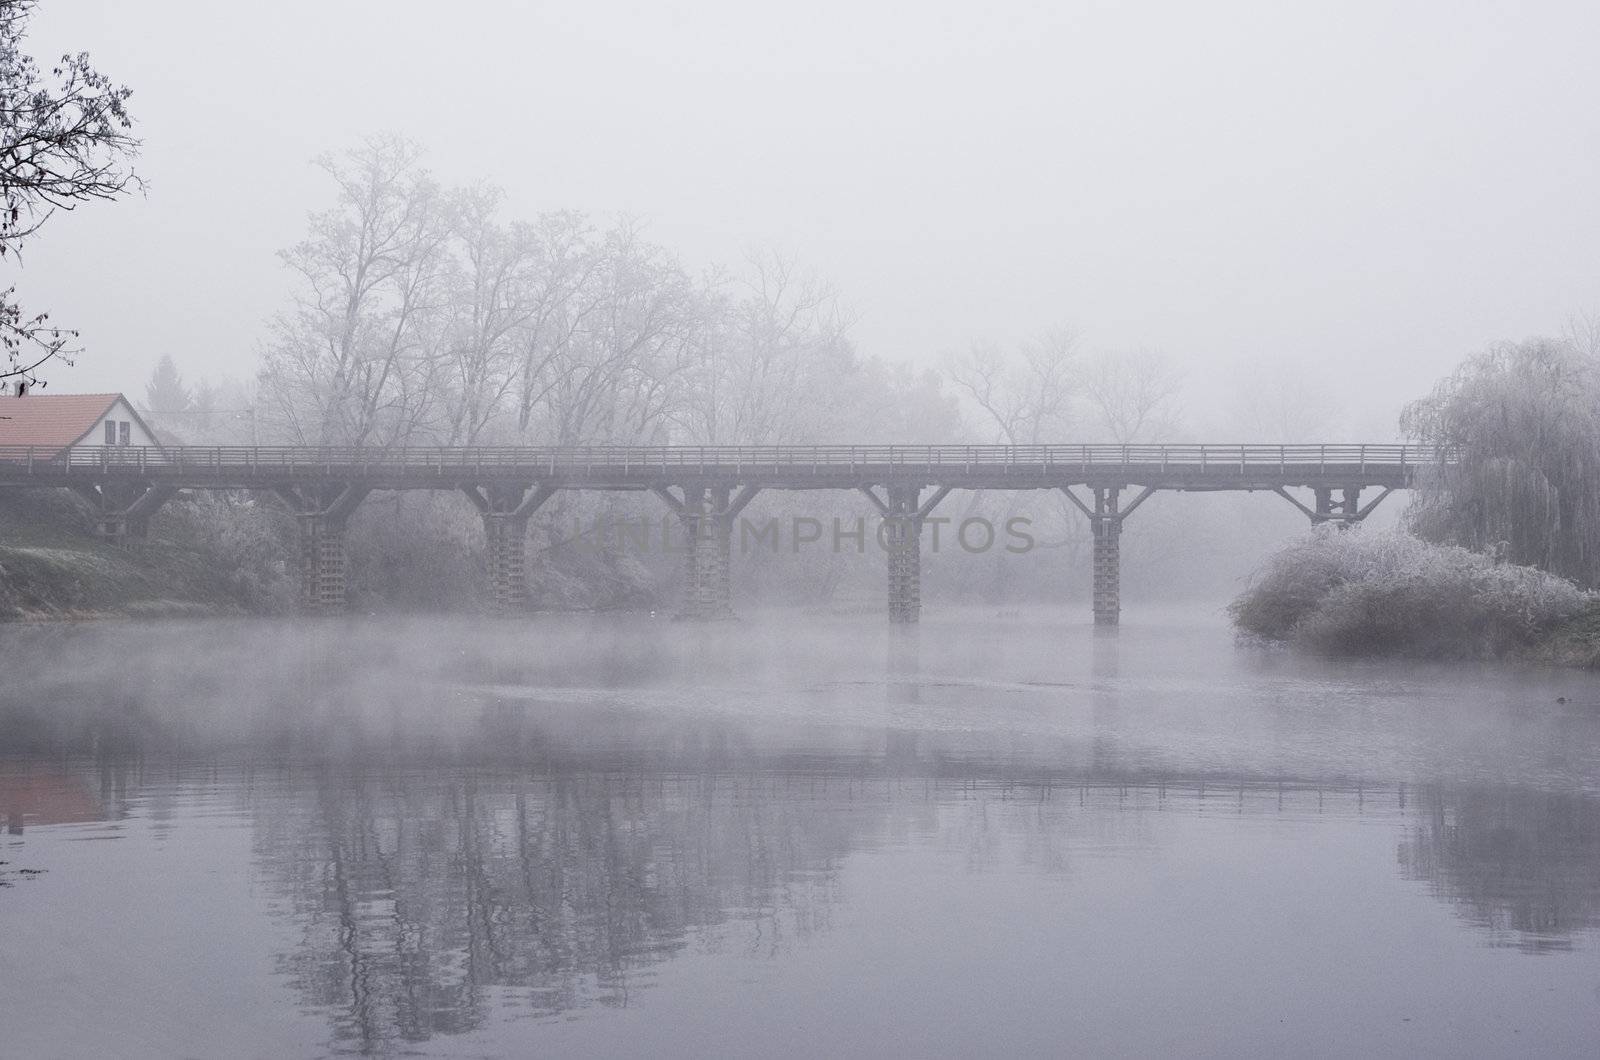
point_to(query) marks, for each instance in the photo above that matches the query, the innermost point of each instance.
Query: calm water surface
(792, 835)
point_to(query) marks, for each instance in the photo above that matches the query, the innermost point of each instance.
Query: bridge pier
(1107, 560)
(1105, 520)
(707, 514)
(505, 511)
(323, 513)
(903, 517)
(123, 509)
(903, 539)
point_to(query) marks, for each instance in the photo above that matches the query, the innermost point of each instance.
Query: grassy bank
(1388, 593)
(53, 566)
(1573, 642)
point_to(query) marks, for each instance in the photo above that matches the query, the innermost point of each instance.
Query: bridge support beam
(505, 511)
(123, 509)
(903, 517)
(1339, 505)
(707, 514)
(1106, 517)
(323, 512)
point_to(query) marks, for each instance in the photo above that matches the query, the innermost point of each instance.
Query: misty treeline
(423, 314)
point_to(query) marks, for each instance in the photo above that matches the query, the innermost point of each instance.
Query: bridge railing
(820, 458)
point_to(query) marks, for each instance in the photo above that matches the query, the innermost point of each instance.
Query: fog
(1358, 194)
(614, 835)
(531, 633)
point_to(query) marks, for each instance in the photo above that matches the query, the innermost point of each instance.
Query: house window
(124, 432)
(111, 432)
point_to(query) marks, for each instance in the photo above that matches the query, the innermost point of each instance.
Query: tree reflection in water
(1522, 864)
(423, 900)
(426, 901)
(445, 852)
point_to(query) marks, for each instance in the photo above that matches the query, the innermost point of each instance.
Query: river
(1004, 833)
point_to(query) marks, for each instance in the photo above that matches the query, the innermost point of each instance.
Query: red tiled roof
(52, 421)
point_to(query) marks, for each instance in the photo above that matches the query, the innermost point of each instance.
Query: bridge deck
(1195, 467)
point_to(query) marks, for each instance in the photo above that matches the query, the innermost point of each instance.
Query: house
(53, 423)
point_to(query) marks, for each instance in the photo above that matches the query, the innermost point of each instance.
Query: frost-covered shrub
(1390, 593)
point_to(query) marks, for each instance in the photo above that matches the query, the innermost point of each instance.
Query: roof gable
(51, 421)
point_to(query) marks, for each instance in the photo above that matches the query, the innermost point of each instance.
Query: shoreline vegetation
(232, 557)
(1338, 593)
(1389, 593)
(1501, 547)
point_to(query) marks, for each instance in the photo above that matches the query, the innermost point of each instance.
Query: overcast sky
(1376, 189)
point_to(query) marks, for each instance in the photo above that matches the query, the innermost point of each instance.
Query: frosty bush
(1391, 593)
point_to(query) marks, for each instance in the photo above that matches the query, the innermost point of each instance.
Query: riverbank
(225, 556)
(1573, 643)
(53, 567)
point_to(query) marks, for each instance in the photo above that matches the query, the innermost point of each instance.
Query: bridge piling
(707, 514)
(322, 515)
(1107, 527)
(1105, 521)
(903, 514)
(322, 563)
(903, 538)
(505, 511)
(707, 588)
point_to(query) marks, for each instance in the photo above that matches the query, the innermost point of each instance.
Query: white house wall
(120, 413)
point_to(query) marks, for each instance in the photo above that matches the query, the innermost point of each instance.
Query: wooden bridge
(707, 487)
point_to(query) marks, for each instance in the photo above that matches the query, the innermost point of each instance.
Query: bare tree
(64, 140)
(1281, 401)
(1133, 394)
(494, 296)
(1027, 395)
(619, 347)
(1583, 334)
(357, 360)
(562, 297)
(774, 353)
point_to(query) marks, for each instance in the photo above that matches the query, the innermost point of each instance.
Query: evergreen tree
(166, 392)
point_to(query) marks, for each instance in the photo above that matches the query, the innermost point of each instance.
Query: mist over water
(604, 835)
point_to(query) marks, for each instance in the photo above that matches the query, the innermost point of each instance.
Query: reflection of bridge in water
(707, 488)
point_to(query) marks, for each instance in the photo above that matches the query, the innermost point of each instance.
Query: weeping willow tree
(1520, 476)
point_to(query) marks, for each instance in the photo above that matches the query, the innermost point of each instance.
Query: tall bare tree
(1133, 394)
(494, 298)
(560, 299)
(776, 355)
(615, 352)
(357, 360)
(1026, 395)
